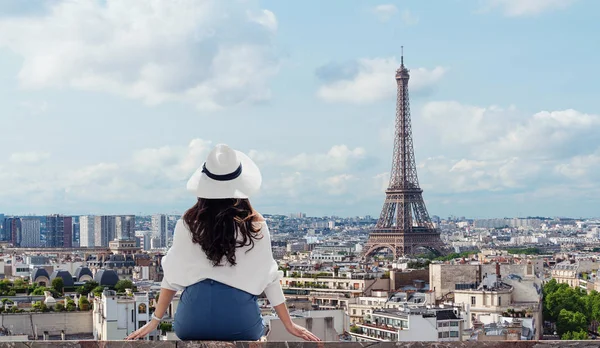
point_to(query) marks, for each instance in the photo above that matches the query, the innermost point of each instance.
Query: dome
(83, 274)
(106, 277)
(39, 272)
(66, 277)
(40, 276)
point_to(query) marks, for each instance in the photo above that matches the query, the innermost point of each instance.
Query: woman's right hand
(302, 332)
(144, 330)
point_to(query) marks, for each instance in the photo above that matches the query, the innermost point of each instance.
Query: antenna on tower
(401, 55)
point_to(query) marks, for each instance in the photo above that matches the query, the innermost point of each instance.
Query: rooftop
(179, 344)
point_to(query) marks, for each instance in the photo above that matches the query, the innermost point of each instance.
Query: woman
(221, 258)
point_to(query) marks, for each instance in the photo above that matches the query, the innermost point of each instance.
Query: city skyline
(294, 215)
(504, 119)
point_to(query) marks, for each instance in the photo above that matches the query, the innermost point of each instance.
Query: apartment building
(500, 299)
(115, 317)
(411, 324)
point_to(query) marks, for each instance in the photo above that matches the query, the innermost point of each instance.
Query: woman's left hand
(144, 330)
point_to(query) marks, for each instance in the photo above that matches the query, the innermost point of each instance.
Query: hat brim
(244, 186)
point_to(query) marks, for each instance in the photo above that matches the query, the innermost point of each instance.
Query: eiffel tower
(404, 224)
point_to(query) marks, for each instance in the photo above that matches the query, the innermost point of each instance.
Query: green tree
(84, 304)
(570, 321)
(356, 330)
(5, 285)
(550, 287)
(58, 284)
(19, 283)
(593, 304)
(87, 288)
(70, 307)
(564, 297)
(40, 291)
(98, 291)
(524, 251)
(40, 306)
(166, 327)
(124, 284)
(580, 335)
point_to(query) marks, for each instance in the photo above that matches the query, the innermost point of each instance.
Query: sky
(107, 107)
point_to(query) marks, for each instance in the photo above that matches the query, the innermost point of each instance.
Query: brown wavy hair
(220, 226)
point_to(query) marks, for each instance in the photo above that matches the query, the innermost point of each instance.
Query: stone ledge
(208, 344)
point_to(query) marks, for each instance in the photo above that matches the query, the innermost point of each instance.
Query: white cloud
(385, 11)
(174, 162)
(289, 185)
(496, 133)
(504, 149)
(409, 18)
(446, 175)
(35, 107)
(209, 53)
(375, 81)
(29, 157)
(339, 157)
(584, 168)
(265, 18)
(338, 184)
(333, 179)
(461, 124)
(156, 177)
(517, 8)
(382, 181)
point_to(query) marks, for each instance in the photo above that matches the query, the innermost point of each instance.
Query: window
(142, 308)
(453, 333)
(499, 301)
(454, 323)
(473, 300)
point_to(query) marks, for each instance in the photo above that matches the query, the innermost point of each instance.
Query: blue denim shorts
(213, 311)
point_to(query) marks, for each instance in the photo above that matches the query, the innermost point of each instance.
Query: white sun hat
(227, 173)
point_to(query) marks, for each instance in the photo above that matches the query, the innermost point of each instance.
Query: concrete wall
(70, 322)
(444, 277)
(282, 344)
(323, 328)
(400, 278)
(377, 284)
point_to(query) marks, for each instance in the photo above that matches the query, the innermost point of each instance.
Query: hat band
(222, 177)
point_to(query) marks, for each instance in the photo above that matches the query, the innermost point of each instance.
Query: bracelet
(156, 318)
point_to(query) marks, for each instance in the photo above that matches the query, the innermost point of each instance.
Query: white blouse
(255, 271)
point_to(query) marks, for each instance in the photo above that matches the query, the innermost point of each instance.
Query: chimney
(498, 270)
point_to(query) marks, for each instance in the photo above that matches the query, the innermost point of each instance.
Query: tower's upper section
(402, 73)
